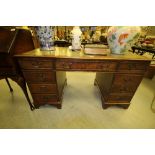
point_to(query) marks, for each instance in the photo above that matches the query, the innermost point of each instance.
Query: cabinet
(45, 84)
(118, 88)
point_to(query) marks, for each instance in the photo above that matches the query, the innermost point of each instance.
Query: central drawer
(84, 65)
(39, 76)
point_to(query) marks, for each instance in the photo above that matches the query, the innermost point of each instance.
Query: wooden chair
(7, 81)
(14, 42)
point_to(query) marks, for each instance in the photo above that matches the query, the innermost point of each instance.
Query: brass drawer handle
(46, 98)
(67, 65)
(127, 79)
(131, 66)
(42, 86)
(36, 64)
(123, 88)
(104, 66)
(42, 77)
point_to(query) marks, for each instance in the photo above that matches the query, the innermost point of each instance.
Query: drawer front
(132, 67)
(43, 88)
(125, 83)
(39, 77)
(86, 66)
(33, 63)
(44, 99)
(119, 98)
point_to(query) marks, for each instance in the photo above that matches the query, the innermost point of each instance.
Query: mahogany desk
(117, 76)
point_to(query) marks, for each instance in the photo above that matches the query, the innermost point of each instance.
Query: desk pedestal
(117, 89)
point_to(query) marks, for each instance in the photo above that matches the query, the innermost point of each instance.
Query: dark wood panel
(5, 61)
(33, 63)
(118, 98)
(105, 66)
(126, 83)
(117, 88)
(104, 81)
(150, 71)
(133, 66)
(39, 76)
(23, 42)
(43, 88)
(45, 99)
(6, 38)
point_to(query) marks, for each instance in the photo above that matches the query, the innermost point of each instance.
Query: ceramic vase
(45, 36)
(121, 38)
(76, 38)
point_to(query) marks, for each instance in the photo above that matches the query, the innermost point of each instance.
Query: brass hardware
(131, 66)
(36, 64)
(67, 66)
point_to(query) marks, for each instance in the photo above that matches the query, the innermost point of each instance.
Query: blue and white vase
(45, 35)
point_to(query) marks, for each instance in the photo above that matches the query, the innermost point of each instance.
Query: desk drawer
(132, 67)
(33, 63)
(44, 98)
(39, 76)
(43, 88)
(119, 98)
(126, 83)
(86, 65)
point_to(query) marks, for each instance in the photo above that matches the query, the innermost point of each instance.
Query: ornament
(121, 38)
(45, 35)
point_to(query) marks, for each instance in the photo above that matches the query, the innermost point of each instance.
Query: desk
(117, 76)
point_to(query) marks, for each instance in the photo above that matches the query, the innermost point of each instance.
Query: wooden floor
(81, 107)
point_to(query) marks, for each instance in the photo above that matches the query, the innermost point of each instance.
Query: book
(96, 49)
